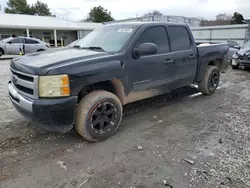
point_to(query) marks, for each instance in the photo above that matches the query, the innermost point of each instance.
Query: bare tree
(154, 13)
(223, 16)
(221, 19)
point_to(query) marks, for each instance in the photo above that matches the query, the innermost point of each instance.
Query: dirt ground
(179, 140)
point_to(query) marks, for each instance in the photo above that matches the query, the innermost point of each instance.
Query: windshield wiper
(94, 48)
(76, 46)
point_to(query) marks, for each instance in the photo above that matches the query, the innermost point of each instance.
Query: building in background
(192, 22)
(49, 29)
(239, 33)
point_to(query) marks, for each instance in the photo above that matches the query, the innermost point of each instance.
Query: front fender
(91, 74)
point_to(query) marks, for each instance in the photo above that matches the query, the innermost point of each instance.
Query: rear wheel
(211, 81)
(1, 52)
(40, 50)
(98, 116)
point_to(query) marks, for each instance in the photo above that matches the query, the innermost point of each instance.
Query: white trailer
(217, 34)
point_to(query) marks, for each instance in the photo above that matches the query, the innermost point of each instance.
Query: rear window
(231, 44)
(30, 41)
(179, 38)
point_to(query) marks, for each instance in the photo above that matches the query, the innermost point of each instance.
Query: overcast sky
(122, 9)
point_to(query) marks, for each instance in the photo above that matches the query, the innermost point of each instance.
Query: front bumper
(244, 64)
(241, 63)
(51, 114)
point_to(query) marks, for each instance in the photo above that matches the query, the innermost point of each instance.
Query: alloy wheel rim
(103, 118)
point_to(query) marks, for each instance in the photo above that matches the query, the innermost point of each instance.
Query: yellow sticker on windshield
(125, 30)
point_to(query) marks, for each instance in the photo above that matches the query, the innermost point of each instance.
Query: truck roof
(147, 23)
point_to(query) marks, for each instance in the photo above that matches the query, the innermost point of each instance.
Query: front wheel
(1, 52)
(210, 81)
(235, 66)
(98, 116)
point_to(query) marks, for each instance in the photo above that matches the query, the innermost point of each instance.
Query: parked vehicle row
(13, 46)
(87, 85)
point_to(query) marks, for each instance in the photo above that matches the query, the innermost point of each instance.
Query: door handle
(192, 56)
(168, 61)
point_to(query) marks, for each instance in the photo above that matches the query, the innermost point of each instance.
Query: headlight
(235, 55)
(54, 86)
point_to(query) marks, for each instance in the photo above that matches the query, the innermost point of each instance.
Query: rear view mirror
(9, 42)
(145, 49)
(237, 47)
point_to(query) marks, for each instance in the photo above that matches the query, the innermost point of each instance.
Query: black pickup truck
(86, 86)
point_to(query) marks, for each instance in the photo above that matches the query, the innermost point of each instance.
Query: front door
(184, 54)
(14, 46)
(150, 75)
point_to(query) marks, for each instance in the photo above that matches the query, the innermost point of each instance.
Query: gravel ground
(179, 140)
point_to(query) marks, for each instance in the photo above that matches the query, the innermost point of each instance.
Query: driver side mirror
(237, 47)
(145, 49)
(9, 42)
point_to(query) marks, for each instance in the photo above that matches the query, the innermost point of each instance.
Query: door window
(179, 38)
(17, 41)
(231, 44)
(156, 35)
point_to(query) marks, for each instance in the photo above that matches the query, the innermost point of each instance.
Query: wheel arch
(40, 50)
(203, 66)
(114, 86)
(217, 62)
(2, 50)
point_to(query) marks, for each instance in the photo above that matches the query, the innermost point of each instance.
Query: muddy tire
(211, 81)
(40, 50)
(98, 116)
(235, 66)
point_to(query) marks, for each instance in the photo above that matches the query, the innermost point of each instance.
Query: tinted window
(179, 38)
(30, 41)
(17, 40)
(156, 35)
(231, 44)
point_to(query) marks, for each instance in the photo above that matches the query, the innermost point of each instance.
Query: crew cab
(86, 86)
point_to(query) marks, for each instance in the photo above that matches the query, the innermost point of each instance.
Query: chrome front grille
(25, 84)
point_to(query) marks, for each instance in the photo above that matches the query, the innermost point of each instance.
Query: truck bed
(207, 54)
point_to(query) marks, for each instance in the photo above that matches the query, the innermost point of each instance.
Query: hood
(243, 51)
(41, 63)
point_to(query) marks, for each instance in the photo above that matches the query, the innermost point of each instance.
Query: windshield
(108, 38)
(73, 43)
(247, 44)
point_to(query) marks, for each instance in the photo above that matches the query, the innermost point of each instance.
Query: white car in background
(13, 46)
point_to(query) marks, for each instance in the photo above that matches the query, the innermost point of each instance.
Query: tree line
(224, 19)
(96, 14)
(99, 14)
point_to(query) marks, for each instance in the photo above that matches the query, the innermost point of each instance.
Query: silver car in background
(233, 47)
(13, 46)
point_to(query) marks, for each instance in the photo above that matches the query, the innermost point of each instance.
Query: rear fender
(214, 58)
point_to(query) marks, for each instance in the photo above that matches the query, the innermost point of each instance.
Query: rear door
(184, 54)
(14, 46)
(31, 45)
